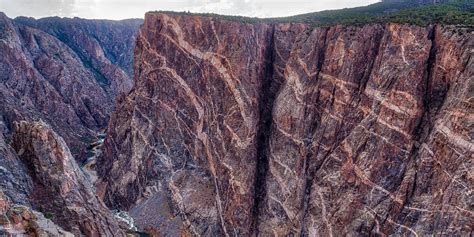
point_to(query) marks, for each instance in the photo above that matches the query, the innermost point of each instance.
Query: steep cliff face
(15, 182)
(16, 215)
(197, 165)
(59, 187)
(104, 47)
(439, 178)
(348, 134)
(63, 73)
(241, 129)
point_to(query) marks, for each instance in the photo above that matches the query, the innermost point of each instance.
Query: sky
(123, 9)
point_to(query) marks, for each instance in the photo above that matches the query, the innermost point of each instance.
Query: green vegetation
(455, 13)
(447, 12)
(48, 215)
(8, 140)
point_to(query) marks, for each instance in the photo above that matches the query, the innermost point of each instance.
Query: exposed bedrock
(58, 187)
(199, 161)
(66, 72)
(284, 129)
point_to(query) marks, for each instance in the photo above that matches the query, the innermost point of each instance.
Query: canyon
(236, 129)
(66, 72)
(62, 76)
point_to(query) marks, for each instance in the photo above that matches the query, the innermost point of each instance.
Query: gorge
(233, 128)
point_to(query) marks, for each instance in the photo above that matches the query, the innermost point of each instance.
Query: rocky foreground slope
(44, 192)
(238, 129)
(64, 71)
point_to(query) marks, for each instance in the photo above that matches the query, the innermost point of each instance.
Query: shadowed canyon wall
(62, 75)
(66, 72)
(283, 129)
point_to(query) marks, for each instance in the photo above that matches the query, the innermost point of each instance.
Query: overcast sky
(122, 9)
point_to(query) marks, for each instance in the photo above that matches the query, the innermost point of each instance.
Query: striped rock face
(190, 143)
(283, 129)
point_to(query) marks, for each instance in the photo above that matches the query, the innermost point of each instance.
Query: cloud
(227, 7)
(37, 8)
(121, 9)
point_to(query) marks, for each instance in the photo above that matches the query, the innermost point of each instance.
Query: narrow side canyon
(236, 129)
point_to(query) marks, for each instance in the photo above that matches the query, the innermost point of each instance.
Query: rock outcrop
(59, 187)
(15, 182)
(66, 72)
(19, 220)
(16, 214)
(284, 129)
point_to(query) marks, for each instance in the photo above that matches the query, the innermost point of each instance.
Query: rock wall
(59, 187)
(105, 47)
(206, 95)
(64, 71)
(20, 220)
(283, 129)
